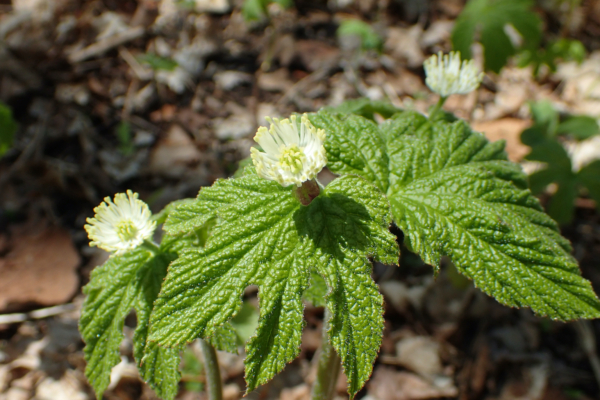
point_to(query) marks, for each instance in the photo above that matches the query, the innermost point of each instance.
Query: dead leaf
(529, 385)
(300, 392)
(420, 354)
(67, 387)
(508, 129)
(277, 81)
(388, 384)
(403, 44)
(231, 392)
(228, 80)
(174, 153)
(317, 55)
(39, 269)
(239, 124)
(212, 6)
(400, 296)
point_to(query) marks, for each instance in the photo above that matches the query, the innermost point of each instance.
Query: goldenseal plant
(131, 279)
(450, 191)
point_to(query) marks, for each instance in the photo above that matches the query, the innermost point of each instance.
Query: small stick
(36, 314)
(107, 44)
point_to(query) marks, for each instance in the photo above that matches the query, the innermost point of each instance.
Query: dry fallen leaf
(388, 384)
(508, 129)
(41, 268)
(420, 354)
(174, 153)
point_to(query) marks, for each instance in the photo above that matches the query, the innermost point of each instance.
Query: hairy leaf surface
(122, 283)
(455, 194)
(265, 237)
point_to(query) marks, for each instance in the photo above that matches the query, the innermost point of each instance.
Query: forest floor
(95, 119)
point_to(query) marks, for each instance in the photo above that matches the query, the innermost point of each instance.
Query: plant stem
(151, 246)
(213, 373)
(328, 367)
(437, 107)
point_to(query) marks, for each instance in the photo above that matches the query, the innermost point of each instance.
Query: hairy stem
(150, 246)
(213, 373)
(328, 367)
(437, 107)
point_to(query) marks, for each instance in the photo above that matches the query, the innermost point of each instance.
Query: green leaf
(561, 206)
(365, 108)
(369, 39)
(284, 3)
(157, 62)
(344, 228)
(245, 322)
(317, 291)
(122, 283)
(558, 169)
(550, 151)
(265, 237)
(192, 368)
(188, 217)
(562, 49)
(545, 116)
(579, 126)
(243, 164)
(8, 128)
(359, 150)
(453, 193)
(488, 18)
(539, 180)
(254, 10)
(224, 338)
(589, 176)
(124, 136)
(161, 216)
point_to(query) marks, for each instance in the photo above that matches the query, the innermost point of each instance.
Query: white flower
(120, 226)
(294, 151)
(446, 75)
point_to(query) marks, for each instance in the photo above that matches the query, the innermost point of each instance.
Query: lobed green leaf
(265, 237)
(122, 283)
(455, 194)
(488, 18)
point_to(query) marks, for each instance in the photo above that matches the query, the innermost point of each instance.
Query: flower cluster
(293, 151)
(447, 75)
(121, 225)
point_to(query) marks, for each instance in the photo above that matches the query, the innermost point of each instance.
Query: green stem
(213, 373)
(437, 107)
(328, 367)
(151, 246)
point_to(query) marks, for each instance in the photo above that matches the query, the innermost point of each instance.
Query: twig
(302, 83)
(143, 73)
(588, 344)
(109, 43)
(13, 21)
(37, 314)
